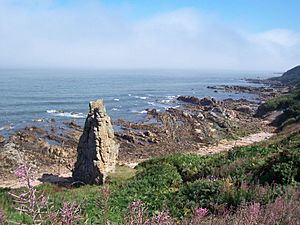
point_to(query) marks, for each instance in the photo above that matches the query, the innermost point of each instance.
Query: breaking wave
(7, 127)
(65, 114)
(140, 97)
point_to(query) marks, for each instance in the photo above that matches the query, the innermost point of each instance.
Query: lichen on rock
(97, 150)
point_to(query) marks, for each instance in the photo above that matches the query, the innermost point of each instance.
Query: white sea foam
(116, 99)
(38, 120)
(65, 114)
(166, 101)
(115, 109)
(139, 112)
(151, 103)
(7, 127)
(172, 107)
(170, 96)
(140, 97)
(51, 111)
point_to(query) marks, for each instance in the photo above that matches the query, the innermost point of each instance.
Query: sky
(156, 34)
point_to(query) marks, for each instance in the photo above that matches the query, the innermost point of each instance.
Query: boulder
(206, 101)
(2, 139)
(219, 110)
(128, 137)
(200, 116)
(189, 99)
(97, 150)
(10, 157)
(148, 133)
(245, 109)
(152, 112)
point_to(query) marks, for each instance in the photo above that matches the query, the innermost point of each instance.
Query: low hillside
(288, 105)
(218, 184)
(291, 77)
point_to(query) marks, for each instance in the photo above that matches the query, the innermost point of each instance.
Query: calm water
(32, 96)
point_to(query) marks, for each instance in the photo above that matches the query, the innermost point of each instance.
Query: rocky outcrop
(10, 157)
(97, 150)
(290, 77)
(206, 101)
(245, 109)
(2, 139)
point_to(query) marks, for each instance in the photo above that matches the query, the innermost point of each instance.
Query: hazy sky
(207, 34)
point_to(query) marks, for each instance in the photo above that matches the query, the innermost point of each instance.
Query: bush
(200, 193)
(190, 167)
(289, 104)
(282, 168)
(153, 185)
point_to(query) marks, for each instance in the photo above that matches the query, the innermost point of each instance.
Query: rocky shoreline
(191, 128)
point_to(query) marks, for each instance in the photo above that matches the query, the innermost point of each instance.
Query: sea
(35, 97)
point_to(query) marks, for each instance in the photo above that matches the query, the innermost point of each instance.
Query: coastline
(226, 124)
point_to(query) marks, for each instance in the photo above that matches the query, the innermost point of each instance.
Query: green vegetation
(227, 182)
(181, 183)
(289, 104)
(291, 77)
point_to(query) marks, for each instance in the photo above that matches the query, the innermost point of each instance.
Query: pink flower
(21, 172)
(70, 213)
(254, 211)
(200, 212)
(2, 218)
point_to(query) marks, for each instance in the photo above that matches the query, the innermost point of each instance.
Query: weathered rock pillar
(97, 150)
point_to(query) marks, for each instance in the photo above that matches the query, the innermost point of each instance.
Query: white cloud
(88, 35)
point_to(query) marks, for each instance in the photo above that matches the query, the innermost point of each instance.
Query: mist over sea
(34, 97)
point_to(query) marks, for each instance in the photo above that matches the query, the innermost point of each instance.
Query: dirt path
(224, 145)
(38, 179)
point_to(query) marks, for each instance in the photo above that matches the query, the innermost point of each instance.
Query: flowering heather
(249, 214)
(35, 206)
(28, 202)
(69, 213)
(200, 212)
(102, 202)
(21, 171)
(2, 218)
(163, 218)
(136, 213)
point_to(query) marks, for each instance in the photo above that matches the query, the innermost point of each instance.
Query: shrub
(282, 168)
(153, 186)
(190, 167)
(289, 104)
(200, 193)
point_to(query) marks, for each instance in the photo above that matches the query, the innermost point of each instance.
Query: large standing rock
(97, 151)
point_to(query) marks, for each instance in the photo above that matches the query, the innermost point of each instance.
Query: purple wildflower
(2, 218)
(69, 213)
(21, 171)
(200, 212)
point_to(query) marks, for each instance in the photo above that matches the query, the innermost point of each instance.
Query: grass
(122, 173)
(220, 182)
(289, 104)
